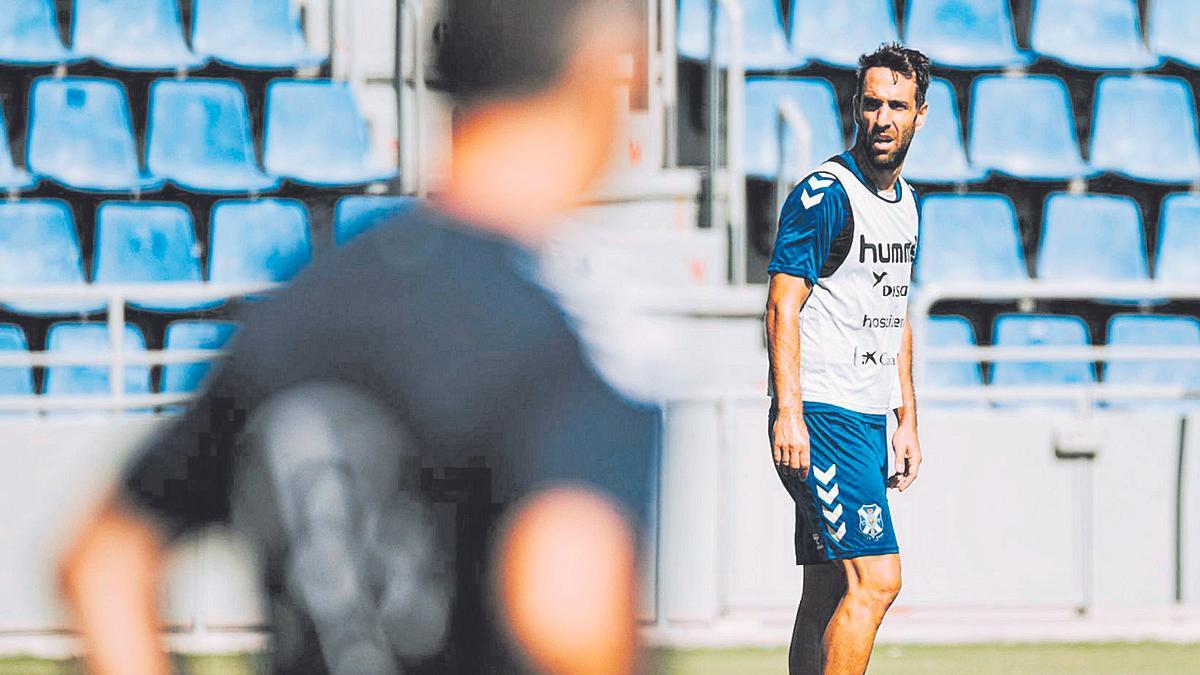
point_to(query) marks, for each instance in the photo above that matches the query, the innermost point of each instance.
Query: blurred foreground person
(434, 475)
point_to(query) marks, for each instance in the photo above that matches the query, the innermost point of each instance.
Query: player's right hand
(790, 444)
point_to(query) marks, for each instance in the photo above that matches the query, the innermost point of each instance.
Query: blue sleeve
(812, 217)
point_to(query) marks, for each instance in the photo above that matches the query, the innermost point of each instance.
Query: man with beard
(841, 358)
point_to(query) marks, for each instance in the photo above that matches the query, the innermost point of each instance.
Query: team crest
(870, 520)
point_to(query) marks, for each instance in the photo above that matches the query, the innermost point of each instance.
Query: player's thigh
(876, 575)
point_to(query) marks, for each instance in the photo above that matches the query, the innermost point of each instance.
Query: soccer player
(435, 475)
(841, 358)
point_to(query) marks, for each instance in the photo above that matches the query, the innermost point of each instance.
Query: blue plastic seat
(357, 214)
(39, 246)
(132, 34)
(259, 241)
(764, 44)
(29, 34)
(81, 135)
(970, 238)
(11, 178)
(952, 331)
(1146, 330)
(837, 33)
(91, 338)
(1092, 34)
(315, 135)
(200, 137)
(1171, 30)
(1092, 237)
(816, 99)
(937, 154)
(964, 33)
(1178, 240)
(1145, 128)
(257, 34)
(14, 380)
(1024, 127)
(1025, 330)
(148, 243)
(188, 377)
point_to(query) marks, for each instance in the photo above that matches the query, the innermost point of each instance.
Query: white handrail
(790, 117)
(734, 114)
(416, 12)
(115, 298)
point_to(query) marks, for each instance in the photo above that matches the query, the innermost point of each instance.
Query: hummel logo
(817, 184)
(810, 201)
(869, 357)
(878, 278)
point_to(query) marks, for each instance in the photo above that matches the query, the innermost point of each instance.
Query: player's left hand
(908, 457)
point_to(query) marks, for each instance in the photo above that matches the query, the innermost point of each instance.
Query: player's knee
(877, 586)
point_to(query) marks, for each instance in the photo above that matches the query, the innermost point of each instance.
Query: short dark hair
(900, 59)
(490, 48)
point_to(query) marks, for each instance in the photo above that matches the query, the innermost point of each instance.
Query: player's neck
(882, 180)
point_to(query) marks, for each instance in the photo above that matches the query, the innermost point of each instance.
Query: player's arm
(110, 579)
(785, 299)
(904, 442)
(813, 215)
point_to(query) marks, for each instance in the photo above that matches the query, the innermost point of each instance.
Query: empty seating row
(1083, 238)
(1143, 128)
(198, 136)
(93, 338)
(1029, 330)
(250, 242)
(1090, 34)
(148, 34)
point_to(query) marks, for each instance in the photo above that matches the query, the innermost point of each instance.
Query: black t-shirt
(442, 326)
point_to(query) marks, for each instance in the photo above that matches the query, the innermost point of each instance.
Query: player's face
(888, 116)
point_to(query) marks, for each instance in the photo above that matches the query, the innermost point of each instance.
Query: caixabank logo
(863, 357)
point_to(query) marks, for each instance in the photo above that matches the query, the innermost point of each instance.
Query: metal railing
(115, 298)
(789, 117)
(1084, 395)
(735, 173)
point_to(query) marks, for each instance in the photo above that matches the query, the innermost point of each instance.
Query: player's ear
(565, 583)
(922, 112)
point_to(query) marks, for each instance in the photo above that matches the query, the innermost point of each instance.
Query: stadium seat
(259, 241)
(81, 136)
(964, 33)
(256, 34)
(952, 331)
(147, 243)
(1092, 34)
(357, 214)
(937, 154)
(199, 137)
(1171, 30)
(764, 44)
(14, 380)
(29, 34)
(187, 377)
(969, 238)
(1025, 330)
(1145, 128)
(91, 338)
(1023, 126)
(1145, 330)
(39, 246)
(11, 178)
(316, 135)
(1179, 240)
(816, 99)
(1092, 237)
(132, 34)
(836, 33)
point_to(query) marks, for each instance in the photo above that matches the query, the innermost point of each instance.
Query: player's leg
(872, 583)
(824, 585)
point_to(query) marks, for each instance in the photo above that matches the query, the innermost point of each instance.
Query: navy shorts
(841, 509)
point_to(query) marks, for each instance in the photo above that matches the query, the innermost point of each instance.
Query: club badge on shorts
(870, 520)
